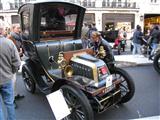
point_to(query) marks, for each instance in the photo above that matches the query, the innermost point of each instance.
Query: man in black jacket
(97, 43)
(154, 40)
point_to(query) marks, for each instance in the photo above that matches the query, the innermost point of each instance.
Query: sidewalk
(131, 60)
(149, 118)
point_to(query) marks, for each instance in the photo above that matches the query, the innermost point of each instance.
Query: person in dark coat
(97, 42)
(84, 35)
(92, 28)
(137, 40)
(154, 40)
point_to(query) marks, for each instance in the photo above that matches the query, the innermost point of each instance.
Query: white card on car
(58, 105)
(109, 81)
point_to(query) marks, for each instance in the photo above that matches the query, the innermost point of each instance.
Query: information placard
(109, 81)
(58, 105)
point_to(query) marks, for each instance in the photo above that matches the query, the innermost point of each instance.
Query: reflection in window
(25, 25)
(57, 21)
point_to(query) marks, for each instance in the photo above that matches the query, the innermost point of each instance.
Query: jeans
(154, 46)
(136, 48)
(14, 84)
(6, 91)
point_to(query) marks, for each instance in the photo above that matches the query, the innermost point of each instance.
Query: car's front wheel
(78, 104)
(127, 86)
(28, 81)
(156, 62)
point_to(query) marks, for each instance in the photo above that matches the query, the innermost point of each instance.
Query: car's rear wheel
(156, 62)
(127, 86)
(28, 81)
(78, 104)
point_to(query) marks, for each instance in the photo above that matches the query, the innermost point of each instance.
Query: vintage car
(51, 32)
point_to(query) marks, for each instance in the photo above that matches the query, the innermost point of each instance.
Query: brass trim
(89, 64)
(48, 51)
(48, 74)
(109, 96)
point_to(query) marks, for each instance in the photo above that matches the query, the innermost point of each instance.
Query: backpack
(123, 42)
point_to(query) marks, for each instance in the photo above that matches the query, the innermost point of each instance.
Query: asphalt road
(145, 103)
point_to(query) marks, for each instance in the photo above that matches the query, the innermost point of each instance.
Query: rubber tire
(130, 84)
(31, 88)
(155, 62)
(81, 97)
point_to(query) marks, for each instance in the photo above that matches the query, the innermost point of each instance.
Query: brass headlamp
(68, 71)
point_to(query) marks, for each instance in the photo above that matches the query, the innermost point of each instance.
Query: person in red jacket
(117, 41)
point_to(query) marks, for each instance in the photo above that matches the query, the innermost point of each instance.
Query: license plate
(110, 88)
(109, 81)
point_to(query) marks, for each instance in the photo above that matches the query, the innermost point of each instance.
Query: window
(57, 21)
(119, 3)
(15, 19)
(153, 1)
(25, 25)
(2, 18)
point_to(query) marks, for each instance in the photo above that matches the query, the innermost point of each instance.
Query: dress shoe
(150, 58)
(18, 96)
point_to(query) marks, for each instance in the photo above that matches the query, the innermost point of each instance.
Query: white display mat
(58, 105)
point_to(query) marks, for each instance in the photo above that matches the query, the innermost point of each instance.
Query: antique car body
(51, 33)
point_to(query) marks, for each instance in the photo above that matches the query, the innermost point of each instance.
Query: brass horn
(68, 71)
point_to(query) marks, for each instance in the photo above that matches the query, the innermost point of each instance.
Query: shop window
(153, 1)
(2, 18)
(89, 18)
(15, 19)
(119, 3)
(109, 26)
(1, 7)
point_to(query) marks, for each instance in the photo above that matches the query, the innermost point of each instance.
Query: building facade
(149, 13)
(8, 11)
(112, 14)
(107, 14)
